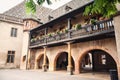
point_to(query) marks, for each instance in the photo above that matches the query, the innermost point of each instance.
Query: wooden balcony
(101, 29)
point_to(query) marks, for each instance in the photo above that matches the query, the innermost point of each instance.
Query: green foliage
(93, 21)
(78, 26)
(50, 35)
(107, 8)
(30, 6)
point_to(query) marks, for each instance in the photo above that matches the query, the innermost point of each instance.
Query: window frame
(10, 57)
(14, 32)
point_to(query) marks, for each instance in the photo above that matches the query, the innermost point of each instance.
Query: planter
(78, 26)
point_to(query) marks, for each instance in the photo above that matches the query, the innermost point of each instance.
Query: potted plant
(93, 21)
(66, 30)
(58, 32)
(50, 35)
(78, 26)
(32, 40)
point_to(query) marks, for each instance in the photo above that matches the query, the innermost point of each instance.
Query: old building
(12, 24)
(11, 34)
(72, 42)
(66, 40)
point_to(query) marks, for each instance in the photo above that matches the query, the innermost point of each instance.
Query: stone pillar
(117, 35)
(119, 72)
(36, 64)
(77, 70)
(44, 66)
(28, 60)
(69, 67)
(52, 67)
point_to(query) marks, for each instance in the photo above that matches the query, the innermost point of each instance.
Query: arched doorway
(40, 61)
(62, 61)
(97, 61)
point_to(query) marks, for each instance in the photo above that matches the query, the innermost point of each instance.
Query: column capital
(70, 42)
(69, 18)
(44, 47)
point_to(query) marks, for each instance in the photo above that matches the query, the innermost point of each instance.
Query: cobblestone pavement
(7, 74)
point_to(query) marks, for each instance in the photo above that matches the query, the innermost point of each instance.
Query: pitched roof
(19, 11)
(74, 4)
(42, 13)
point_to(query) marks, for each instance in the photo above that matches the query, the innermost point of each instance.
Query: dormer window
(50, 18)
(68, 8)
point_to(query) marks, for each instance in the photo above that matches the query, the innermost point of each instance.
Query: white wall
(10, 43)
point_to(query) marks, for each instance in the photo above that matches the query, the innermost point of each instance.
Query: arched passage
(96, 60)
(40, 61)
(61, 61)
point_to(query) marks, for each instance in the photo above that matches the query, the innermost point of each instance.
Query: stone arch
(57, 56)
(39, 58)
(84, 52)
(97, 48)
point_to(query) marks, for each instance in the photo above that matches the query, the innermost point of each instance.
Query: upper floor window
(13, 32)
(68, 8)
(10, 56)
(50, 18)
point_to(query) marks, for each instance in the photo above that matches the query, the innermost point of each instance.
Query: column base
(52, 67)
(28, 66)
(35, 68)
(70, 70)
(118, 73)
(44, 67)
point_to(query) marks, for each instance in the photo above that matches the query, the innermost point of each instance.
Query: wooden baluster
(108, 24)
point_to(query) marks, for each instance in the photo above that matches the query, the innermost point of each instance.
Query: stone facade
(28, 24)
(8, 43)
(78, 50)
(28, 58)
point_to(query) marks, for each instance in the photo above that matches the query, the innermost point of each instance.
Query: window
(24, 58)
(13, 32)
(10, 56)
(103, 59)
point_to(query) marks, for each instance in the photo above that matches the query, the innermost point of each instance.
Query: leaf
(30, 7)
(87, 10)
(105, 7)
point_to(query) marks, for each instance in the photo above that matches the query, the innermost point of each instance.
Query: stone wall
(28, 24)
(78, 50)
(8, 43)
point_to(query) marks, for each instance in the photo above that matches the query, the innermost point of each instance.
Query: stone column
(28, 60)
(36, 64)
(77, 68)
(52, 67)
(117, 35)
(69, 67)
(44, 66)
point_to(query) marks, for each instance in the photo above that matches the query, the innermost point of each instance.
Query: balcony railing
(100, 27)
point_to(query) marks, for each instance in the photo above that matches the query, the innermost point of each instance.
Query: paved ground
(7, 74)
